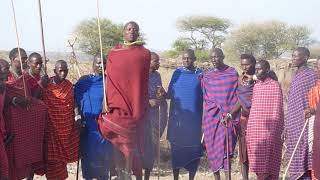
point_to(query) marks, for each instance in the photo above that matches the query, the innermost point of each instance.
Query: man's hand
(80, 123)
(154, 102)
(23, 102)
(161, 92)
(225, 121)
(44, 81)
(308, 113)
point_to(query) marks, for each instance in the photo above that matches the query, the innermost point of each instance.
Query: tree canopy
(88, 35)
(203, 31)
(267, 40)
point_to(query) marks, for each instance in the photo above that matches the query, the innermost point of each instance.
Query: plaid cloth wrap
(63, 135)
(301, 84)
(26, 151)
(219, 94)
(4, 165)
(316, 145)
(265, 126)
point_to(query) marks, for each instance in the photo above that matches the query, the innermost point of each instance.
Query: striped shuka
(244, 94)
(63, 135)
(313, 97)
(27, 149)
(33, 82)
(265, 126)
(219, 95)
(4, 165)
(301, 84)
(316, 145)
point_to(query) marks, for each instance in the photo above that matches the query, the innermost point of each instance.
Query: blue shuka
(184, 127)
(95, 150)
(157, 116)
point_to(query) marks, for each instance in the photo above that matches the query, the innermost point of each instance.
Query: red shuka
(26, 151)
(4, 166)
(63, 135)
(316, 145)
(127, 96)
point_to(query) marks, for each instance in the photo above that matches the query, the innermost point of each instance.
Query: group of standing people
(115, 125)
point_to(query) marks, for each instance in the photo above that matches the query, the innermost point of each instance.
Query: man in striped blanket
(303, 80)
(219, 87)
(265, 125)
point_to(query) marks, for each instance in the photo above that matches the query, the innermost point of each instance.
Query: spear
(18, 45)
(101, 56)
(42, 38)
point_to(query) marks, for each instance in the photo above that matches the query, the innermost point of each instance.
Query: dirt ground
(166, 173)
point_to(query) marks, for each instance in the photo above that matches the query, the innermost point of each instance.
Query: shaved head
(3, 62)
(303, 50)
(132, 23)
(154, 55)
(4, 70)
(190, 52)
(61, 63)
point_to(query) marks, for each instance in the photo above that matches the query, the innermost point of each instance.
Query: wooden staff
(295, 149)
(18, 46)
(159, 136)
(101, 56)
(228, 151)
(42, 38)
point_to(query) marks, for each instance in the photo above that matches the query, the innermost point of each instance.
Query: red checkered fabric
(316, 145)
(264, 129)
(26, 151)
(4, 166)
(57, 170)
(63, 135)
(33, 83)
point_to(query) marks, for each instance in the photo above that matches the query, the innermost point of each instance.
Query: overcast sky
(156, 17)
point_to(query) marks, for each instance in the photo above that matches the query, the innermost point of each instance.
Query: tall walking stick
(159, 136)
(18, 45)
(42, 38)
(101, 56)
(295, 149)
(228, 151)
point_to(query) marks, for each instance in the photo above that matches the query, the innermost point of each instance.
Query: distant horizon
(156, 18)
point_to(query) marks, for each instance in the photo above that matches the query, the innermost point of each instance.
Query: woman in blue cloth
(185, 116)
(96, 152)
(156, 119)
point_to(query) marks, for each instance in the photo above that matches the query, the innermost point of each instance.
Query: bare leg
(123, 165)
(192, 175)
(226, 173)
(138, 177)
(217, 175)
(30, 176)
(245, 170)
(147, 174)
(176, 174)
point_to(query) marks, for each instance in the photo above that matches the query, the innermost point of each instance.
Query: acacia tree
(203, 31)
(88, 35)
(267, 40)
